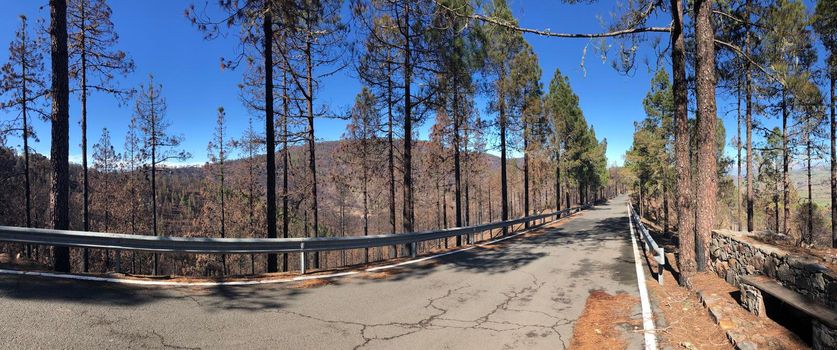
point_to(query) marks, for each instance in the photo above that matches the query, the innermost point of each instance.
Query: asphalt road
(525, 292)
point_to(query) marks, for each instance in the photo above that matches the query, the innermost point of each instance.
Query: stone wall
(734, 254)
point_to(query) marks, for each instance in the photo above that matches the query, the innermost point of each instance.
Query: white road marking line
(252, 282)
(647, 316)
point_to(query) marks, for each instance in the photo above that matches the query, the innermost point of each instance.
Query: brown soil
(687, 321)
(604, 322)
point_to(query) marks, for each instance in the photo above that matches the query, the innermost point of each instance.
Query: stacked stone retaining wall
(734, 254)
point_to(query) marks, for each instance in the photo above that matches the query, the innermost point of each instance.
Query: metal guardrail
(650, 244)
(205, 245)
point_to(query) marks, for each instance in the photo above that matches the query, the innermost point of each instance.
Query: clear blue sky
(161, 41)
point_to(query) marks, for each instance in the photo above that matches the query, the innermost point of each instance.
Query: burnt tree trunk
(833, 159)
(312, 149)
(785, 166)
(391, 157)
(59, 194)
(286, 100)
(685, 215)
(270, 134)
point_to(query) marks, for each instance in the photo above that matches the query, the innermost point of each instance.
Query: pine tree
(502, 45)
(825, 24)
(105, 164)
(319, 40)
(23, 84)
(360, 150)
(150, 111)
(93, 64)
(218, 149)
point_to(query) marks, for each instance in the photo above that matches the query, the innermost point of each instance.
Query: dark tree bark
(60, 150)
(785, 165)
(665, 203)
(748, 92)
(705, 124)
(457, 173)
(270, 133)
(286, 100)
(312, 142)
(738, 118)
(685, 215)
(833, 77)
(407, 214)
(810, 234)
(558, 180)
(526, 172)
(24, 110)
(391, 157)
(504, 190)
(85, 217)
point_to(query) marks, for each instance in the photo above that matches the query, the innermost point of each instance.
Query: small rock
(746, 345)
(688, 346)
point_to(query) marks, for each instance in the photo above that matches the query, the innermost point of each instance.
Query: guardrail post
(413, 250)
(661, 265)
(302, 258)
(118, 261)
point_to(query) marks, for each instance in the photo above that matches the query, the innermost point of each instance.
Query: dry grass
(312, 283)
(604, 321)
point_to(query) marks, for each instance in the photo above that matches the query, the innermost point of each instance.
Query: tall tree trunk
(457, 175)
(785, 166)
(24, 110)
(59, 153)
(504, 191)
(738, 198)
(365, 202)
(665, 203)
(154, 143)
(85, 216)
(685, 215)
(810, 233)
(558, 180)
(705, 124)
(407, 214)
(312, 158)
(490, 205)
(749, 121)
(391, 157)
(526, 172)
(833, 77)
(223, 213)
(270, 133)
(438, 204)
(286, 162)
(251, 206)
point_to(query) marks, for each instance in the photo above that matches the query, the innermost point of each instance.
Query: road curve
(525, 292)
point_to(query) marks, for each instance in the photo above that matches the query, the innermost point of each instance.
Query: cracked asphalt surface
(525, 292)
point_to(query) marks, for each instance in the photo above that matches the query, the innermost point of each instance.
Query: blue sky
(161, 41)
